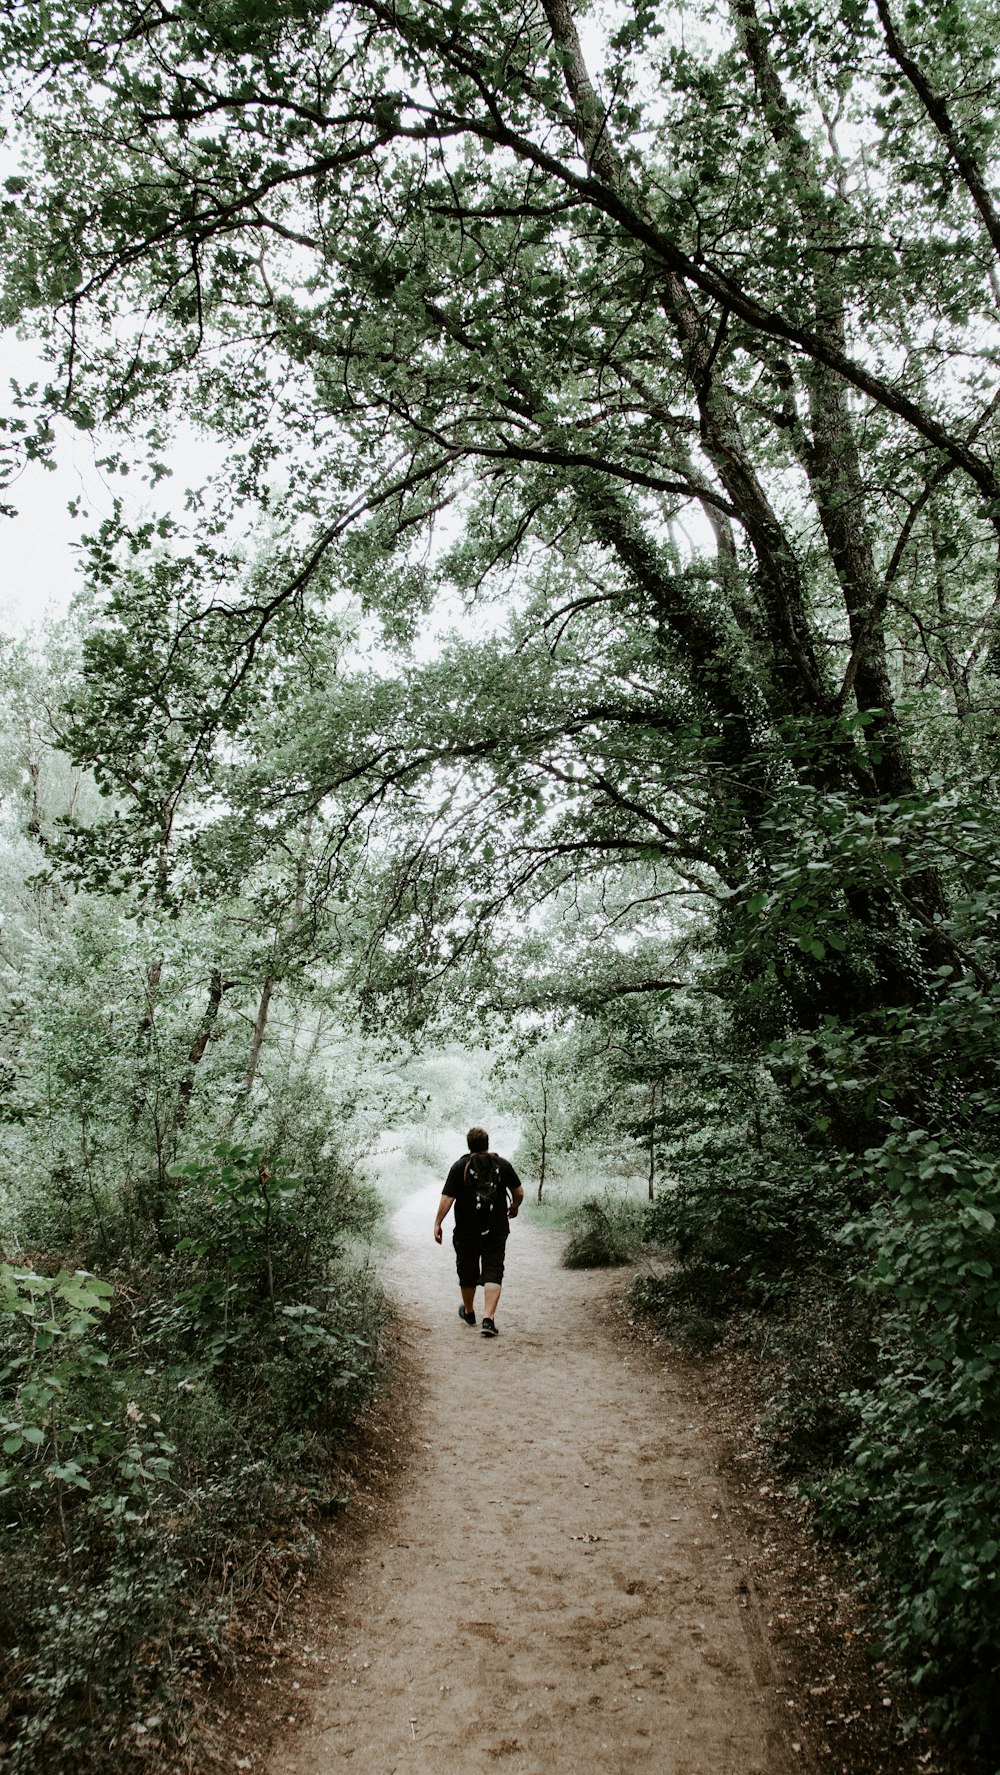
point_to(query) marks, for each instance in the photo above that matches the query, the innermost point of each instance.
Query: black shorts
(479, 1259)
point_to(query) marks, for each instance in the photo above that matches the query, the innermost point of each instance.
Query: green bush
(920, 1487)
(869, 1295)
(170, 1440)
(605, 1234)
(749, 1231)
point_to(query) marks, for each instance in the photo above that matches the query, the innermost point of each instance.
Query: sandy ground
(558, 1588)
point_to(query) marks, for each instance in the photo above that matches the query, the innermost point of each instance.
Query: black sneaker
(489, 1329)
(466, 1318)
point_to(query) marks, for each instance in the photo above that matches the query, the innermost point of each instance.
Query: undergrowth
(171, 1431)
(868, 1297)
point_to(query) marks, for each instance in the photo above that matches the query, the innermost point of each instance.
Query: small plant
(242, 1201)
(49, 1321)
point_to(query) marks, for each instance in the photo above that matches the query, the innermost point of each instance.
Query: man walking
(478, 1186)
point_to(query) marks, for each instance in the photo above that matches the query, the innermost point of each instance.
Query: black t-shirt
(466, 1216)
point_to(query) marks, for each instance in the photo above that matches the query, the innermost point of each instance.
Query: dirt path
(556, 1590)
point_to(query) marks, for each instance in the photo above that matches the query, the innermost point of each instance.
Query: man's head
(479, 1140)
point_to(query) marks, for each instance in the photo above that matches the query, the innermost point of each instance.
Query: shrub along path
(557, 1586)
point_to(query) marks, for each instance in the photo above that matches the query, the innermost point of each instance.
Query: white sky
(37, 562)
(39, 572)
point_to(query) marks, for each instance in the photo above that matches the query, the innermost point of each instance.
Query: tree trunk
(258, 1037)
(545, 1139)
(35, 779)
(800, 689)
(198, 1046)
(652, 1142)
(154, 974)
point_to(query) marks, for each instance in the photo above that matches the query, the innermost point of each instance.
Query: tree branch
(937, 110)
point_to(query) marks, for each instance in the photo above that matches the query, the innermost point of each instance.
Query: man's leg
(493, 1258)
(467, 1259)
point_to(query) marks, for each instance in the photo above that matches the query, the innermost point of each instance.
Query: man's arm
(444, 1207)
(515, 1186)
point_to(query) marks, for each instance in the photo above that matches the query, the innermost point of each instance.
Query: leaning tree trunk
(652, 1142)
(209, 1017)
(545, 1140)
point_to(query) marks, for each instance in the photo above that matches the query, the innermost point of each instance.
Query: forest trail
(555, 1590)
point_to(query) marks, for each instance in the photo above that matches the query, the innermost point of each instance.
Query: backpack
(482, 1173)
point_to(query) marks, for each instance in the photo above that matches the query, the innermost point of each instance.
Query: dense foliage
(601, 593)
(188, 1320)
